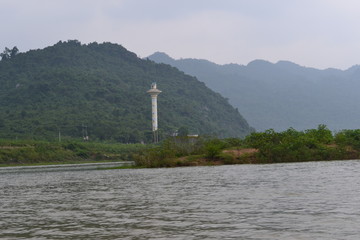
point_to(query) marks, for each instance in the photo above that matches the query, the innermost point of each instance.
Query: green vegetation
(186, 151)
(263, 147)
(30, 152)
(294, 146)
(99, 90)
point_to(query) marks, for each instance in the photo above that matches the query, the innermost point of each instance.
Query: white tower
(154, 92)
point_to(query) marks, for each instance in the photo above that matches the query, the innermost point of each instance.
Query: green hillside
(100, 89)
(281, 95)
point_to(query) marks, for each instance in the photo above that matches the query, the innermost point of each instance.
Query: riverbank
(257, 148)
(242, 156)
(66, 167)
(31, 152)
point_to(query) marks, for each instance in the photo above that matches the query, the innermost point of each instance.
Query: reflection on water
(319, 200)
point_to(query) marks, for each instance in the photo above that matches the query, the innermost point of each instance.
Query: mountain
(281, 95)
(99, 90)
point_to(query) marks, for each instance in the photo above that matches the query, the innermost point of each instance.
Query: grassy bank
(265, 147)
(28, 152)
(257, 148)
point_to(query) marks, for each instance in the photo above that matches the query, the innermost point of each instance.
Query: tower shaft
(154, 92)
(154, 115)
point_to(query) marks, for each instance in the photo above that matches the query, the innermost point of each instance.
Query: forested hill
(281, 95)
(100, 89)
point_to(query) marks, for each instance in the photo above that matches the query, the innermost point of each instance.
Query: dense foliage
(173, 151)
(259, 147)
(262, 147)
(308, 145)
(73, 90)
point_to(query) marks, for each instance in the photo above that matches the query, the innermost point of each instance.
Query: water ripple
(319, 200)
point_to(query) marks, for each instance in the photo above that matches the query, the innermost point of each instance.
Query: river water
(316, 200)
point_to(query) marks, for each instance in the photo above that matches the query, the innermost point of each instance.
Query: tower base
(156, 136)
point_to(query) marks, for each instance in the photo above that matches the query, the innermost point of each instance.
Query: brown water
(319, 200)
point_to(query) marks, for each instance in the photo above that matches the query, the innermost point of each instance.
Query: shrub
(213, 148)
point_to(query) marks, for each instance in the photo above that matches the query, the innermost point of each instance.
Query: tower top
(153, 90)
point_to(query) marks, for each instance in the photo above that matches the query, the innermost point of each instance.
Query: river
(314, 200)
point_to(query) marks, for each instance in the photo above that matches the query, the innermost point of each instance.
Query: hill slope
(101, 88)
(281, 95)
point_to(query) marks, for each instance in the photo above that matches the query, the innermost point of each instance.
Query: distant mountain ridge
(99, 90)
(281, 95)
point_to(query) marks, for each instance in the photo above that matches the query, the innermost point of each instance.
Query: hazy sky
(313, 33)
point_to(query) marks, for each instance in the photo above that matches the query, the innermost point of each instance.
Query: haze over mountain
(101, 88)
(281, 95)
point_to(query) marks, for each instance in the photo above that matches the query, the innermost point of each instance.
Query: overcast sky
(313, 33)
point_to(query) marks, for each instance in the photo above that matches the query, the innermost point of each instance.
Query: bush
(349, 138)
(213, 148)
(292, 145)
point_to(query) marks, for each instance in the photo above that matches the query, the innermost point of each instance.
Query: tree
(322, 134)
(9, 53)
(5, 54)
(14, 51)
